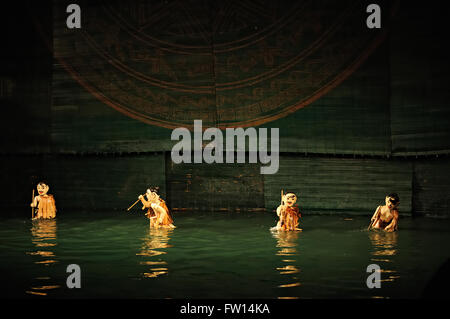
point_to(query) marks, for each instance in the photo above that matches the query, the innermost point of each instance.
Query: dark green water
(217, 255)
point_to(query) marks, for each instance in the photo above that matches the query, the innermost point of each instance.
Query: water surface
(216, 255)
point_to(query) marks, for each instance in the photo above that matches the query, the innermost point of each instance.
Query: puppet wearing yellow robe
(46, 207)
(290, 218)
(44, 202)
(157, 212)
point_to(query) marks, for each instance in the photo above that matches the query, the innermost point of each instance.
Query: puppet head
(290, 199)
(152, 194)
(42, 188)
(392, 201)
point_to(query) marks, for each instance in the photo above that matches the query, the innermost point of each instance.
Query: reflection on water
(384, 248)
(43, 236)
(287, 243)
(153, 249)
(384, 244)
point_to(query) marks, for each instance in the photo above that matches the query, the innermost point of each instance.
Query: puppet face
(391, 203)
(290, 199)
(151, 196)
(42, 189)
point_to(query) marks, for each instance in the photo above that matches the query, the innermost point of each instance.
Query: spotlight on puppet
(157, 212)
(386, 216)
(287, 213)
(44, 202)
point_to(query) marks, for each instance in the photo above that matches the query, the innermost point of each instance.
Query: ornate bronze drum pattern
(228, 63)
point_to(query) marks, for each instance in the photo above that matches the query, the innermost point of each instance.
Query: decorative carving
(227, 63)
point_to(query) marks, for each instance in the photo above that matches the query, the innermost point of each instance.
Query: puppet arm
(161, 212)
(393, 224)
(376, 215)
(144, 202)
(280, 210)
(35, 201)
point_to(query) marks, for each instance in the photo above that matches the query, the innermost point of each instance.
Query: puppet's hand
(389, 228)
(141, 197)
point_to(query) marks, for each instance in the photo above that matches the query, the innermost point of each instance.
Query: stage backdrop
(364, 102)
(135, 70)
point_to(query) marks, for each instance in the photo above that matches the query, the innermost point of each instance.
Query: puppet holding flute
(157, 210)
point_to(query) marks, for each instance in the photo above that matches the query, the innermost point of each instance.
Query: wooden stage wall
(324, 185)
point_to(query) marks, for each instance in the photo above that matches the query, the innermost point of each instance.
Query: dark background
(384, 128)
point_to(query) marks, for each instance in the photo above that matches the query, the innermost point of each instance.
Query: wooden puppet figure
(386, 217)
(158, 213)
(288, 213)
(44, 202)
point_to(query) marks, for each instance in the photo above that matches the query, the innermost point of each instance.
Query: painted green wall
(344, 185)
